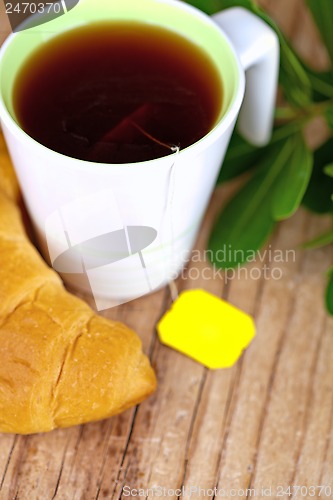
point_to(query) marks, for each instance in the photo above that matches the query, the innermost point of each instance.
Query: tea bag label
(206, 328)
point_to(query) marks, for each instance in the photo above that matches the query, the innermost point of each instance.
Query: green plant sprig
(285, 173)
(308, 113)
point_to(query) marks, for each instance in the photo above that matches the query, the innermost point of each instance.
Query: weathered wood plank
(271, 311)
(286, 418)
(312, 459)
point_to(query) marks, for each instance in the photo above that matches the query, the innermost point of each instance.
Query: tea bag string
(169, 201)
(174, 149)
(169, 211)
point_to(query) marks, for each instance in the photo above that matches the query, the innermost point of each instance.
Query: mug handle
(257, 47)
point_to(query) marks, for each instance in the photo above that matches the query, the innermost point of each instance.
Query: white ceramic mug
(122, 231)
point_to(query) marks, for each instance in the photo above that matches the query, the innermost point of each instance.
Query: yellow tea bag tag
(206, 328)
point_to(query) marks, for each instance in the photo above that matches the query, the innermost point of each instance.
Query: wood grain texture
(265, 422)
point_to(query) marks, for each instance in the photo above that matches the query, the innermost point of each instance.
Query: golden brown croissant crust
(60, 363)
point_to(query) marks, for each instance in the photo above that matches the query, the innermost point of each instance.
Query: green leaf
(213, 6)
(322, 12)
(329, 117)
(241, 156)
(227, 4)
(292, 181)
(329, 293)
(328, 170)
(208, 6)
(293, 76)
(321, 83)
(246, 222)
(318, 194)
(319, 241)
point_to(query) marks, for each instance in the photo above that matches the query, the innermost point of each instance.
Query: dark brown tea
(118, 92)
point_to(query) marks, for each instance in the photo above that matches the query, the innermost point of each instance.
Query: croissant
(60, 363)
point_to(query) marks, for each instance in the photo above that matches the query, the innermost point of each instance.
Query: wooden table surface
(268, 421)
